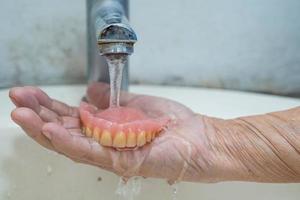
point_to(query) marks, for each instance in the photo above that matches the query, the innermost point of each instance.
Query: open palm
(56, 126)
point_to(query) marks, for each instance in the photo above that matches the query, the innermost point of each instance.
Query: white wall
(42, 41)
(249, 44)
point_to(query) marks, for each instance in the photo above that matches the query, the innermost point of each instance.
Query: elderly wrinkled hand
(57, 126)
(191, 147)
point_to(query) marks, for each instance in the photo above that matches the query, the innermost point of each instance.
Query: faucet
(109, 33)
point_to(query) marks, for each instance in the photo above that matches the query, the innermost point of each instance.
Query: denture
(119, 127)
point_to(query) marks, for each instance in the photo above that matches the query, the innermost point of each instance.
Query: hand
(180, 152)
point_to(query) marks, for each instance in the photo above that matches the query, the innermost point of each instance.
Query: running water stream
(116, 63)
(174, 188)
(129, 189)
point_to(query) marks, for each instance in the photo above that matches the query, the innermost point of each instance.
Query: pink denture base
(119, 127)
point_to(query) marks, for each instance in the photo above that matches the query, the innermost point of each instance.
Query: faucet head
(116, 38)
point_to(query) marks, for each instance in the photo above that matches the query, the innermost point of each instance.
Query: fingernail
(47, 134)
(14, 117)
(14, 120)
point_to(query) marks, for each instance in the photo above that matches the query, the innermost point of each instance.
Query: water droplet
(49, 170)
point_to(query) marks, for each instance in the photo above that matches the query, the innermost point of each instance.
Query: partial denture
(119, 127)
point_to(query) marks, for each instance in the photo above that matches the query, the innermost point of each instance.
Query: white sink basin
(29, 172)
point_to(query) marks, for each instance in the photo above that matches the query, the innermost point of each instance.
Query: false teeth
(119, 127)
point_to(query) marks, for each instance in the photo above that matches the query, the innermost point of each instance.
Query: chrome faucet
(108, 33)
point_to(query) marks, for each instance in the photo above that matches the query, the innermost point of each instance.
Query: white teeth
(149, 136)
(141, 139)
(97, 134)
(121, 139)
(131, 139)
(106, 139)
(89, 132)
(153, 135)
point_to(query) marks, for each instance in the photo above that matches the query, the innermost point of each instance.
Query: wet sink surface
(28, 171)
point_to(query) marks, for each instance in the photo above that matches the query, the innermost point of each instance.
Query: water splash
(116, 63)
(129, 189)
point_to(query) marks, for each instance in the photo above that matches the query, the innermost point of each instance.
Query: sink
(28, 171)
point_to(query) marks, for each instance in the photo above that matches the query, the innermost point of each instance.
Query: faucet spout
(113, 32)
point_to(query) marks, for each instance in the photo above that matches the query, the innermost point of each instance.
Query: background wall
(249, 45)
(42, 42)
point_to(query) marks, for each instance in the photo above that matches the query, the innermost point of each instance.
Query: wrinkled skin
(179, 153)
(262, 148)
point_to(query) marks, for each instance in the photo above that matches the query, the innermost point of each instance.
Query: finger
(23, 98)
(63, 109)
(32, 124)
(71, 123)
(98, 94)
(56, 106)
(48, 115)
(76, 145)
(66, 121)
(33, 97)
